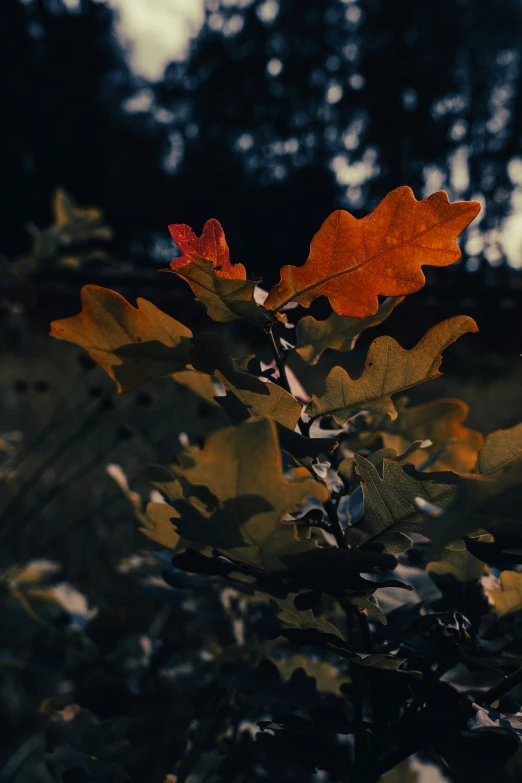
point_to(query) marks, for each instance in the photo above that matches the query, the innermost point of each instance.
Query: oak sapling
(319, 508)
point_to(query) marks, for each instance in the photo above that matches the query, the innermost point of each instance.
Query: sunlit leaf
(352, 262)
(388, 370)
(507, 600)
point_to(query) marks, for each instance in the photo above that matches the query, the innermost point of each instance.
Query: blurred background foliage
(280, 112)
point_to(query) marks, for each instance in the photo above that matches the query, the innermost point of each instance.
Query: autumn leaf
(235, 496)
(352, 262)
(388, 369)
(160, 528)
(339, 332)
(210, 246)
(389, 502)
(221, 286)
(130, 343)
(507, 600)
(493, 493)
(440, 421)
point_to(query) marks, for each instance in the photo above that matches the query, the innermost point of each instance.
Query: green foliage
(330, 596)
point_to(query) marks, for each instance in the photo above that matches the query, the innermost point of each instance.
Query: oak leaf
(389, 502)
(235, 496)
(441, 422)
(221, 286)
(260, 398)
(339, 332)
(388, 369)
(492, 493)
(457, 565)
(352, 262)
(130, 343)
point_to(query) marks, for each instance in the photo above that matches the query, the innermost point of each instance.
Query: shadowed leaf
(339, 332)
(130, 343)
(389, 506)
(494, 494)
(261, 398)
(240, 513)
(221, 286)
(439, 421)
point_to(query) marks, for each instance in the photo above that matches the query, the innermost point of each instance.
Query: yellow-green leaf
(339, 332)
(507, 600)
(389, 369)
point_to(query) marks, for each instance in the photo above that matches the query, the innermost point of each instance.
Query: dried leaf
(130, 343)
(221, 286)
(439, 421)
(339, 332)
(388, 369)
(352, 262)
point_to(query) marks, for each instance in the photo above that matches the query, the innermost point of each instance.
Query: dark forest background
(281, 113)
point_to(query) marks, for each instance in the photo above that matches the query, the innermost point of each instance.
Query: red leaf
(210, 246)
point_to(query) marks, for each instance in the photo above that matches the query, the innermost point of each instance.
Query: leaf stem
(283, 379)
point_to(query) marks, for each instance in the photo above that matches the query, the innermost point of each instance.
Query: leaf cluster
(379, 539)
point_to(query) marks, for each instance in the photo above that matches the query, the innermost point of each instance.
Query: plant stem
(364, 627)
(504, 686)
(356, 692)
(283, 380)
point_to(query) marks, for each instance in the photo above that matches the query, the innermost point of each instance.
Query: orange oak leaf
(130, 343)
(210, 246)
(352, 262)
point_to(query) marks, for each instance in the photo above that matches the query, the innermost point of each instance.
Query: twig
(501, 688)
(364, 627)
(357, 694)
(278, 359)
